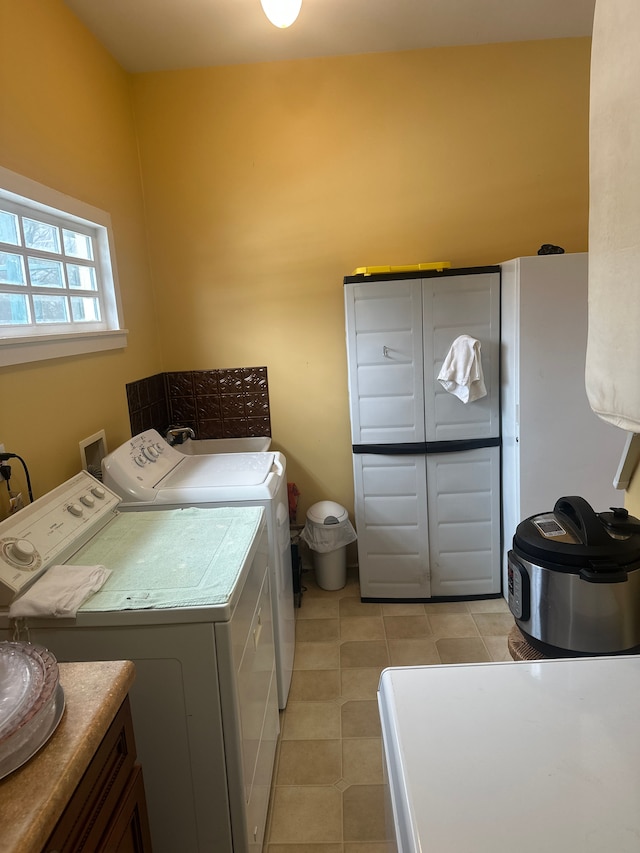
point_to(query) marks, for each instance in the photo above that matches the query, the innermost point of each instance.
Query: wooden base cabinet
(129, 829)
(107, 812)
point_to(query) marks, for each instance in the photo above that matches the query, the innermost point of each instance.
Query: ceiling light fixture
(281, 13)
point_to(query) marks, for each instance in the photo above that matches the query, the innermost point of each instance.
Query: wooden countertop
(33, 798)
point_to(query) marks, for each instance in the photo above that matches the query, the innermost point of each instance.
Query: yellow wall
(66, 121)
(632, 500)
(263, 186)
(267, 183)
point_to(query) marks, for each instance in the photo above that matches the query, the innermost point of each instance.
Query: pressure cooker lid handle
(581, 517)
(619, 521)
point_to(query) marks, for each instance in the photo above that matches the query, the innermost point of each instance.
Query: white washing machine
(149, 474)
(188, 601)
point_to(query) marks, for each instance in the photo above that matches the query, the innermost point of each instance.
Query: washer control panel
(136, 467)
(50, 530)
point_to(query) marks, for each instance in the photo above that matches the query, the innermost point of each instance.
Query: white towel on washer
(59, 592)
(461, 373)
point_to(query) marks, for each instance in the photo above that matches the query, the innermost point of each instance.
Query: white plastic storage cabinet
(426, 465)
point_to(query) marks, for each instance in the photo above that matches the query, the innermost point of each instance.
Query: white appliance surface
(250, 444)
(148, 473)
(526, 756)
(553, 444)
(188, 601)
(219, 470)
(148, 469)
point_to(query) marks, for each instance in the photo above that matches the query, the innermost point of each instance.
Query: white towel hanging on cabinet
(461, 372)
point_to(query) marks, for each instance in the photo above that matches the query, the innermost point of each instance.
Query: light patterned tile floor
(327, 794)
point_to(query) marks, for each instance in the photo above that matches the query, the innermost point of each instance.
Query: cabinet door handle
(258, 630)
(385, 352)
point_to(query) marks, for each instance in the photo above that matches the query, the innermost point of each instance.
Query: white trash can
(327, 532)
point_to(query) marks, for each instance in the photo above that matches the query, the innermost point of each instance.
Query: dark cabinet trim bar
(412, 448)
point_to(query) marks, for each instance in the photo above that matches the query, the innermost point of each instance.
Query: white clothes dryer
(149, 474)
(188, 601)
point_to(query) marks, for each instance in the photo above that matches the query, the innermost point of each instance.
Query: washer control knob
(98, 492)
(159, 447)
(141, 461)
(87, 500)
(151, 453)
(75, 509)
(23, 551)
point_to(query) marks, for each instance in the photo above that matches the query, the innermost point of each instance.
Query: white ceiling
(154, 35)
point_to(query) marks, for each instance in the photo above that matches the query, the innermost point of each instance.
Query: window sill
(40, 348)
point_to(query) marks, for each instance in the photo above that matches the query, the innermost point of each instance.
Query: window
(58, 292)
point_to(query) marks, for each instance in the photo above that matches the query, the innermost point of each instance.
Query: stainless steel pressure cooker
(574, 580)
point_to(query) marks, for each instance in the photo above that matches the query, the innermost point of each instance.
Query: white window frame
(16, 347)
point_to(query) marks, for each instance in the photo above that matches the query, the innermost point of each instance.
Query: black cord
(5, 456)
